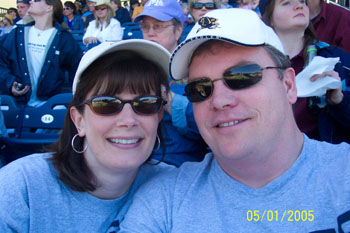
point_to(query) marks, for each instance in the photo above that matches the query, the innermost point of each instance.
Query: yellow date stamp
(278, 216)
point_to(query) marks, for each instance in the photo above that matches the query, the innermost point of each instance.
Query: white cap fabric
(237, 26)
(147, 49)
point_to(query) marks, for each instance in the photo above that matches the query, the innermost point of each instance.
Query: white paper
(318, 65)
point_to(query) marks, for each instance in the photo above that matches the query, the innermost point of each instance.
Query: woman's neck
(101, 20)
(293, 42)
(42, 22)
(111, 186)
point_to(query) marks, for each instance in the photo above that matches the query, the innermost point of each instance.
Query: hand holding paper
(318, 65)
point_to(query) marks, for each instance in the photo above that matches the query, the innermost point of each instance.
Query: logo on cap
(208, 22)
(155, 3)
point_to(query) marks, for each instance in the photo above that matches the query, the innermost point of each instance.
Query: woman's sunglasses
(236, 78)
(107, 105)
(207, 5)
(100, 8)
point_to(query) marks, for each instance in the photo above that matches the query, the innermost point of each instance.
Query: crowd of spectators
(104, 20)
(40, 55)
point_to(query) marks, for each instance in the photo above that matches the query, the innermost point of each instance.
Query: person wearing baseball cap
(86, 182)
(22, 7)
(162, 22)
(262, 170)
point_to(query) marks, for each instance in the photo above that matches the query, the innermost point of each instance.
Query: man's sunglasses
(207, 5)
(236, 78)
(66, 8)
(107, 105)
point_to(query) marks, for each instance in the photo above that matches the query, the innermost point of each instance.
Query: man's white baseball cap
(237, 26)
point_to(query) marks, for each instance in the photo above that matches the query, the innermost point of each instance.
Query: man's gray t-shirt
(313, 195)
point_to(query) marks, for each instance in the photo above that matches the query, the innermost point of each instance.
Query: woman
(39, 55)
(121, 14)
(86, 183)
(331, 120)
(74, 21)
(104, 27)
(198, 8)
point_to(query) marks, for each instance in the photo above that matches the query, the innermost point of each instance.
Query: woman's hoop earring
(78, 151)
(158, 142)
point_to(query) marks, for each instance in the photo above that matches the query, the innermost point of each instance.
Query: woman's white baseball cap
(147, 49)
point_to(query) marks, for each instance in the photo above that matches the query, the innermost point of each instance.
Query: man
(22, 7)
(162, 22)
(331, 23)
(35, 57)
(90, 14)
(263, 175)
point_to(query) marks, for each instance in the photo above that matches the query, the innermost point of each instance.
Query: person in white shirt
(105, 27)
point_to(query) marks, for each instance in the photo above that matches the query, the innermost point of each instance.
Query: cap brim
(179, 61)
(147, 49)
(161, 16)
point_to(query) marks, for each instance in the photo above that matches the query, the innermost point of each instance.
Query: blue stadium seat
(132, 31)
(36, 127)
(78, 37)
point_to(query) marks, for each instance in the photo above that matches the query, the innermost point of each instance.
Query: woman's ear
(160, 115)
(78, 120)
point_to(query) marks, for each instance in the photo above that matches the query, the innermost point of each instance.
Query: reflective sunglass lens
(106, 105)
(243, 76)
(199, 5)
(147, 105)
(200, 90)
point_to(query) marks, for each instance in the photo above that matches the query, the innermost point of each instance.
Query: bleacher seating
(78, 37)
(132, 31)
(33, 128)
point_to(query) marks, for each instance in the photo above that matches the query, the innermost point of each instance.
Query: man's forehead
(22, 5)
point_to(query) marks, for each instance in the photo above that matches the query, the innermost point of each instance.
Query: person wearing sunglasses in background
(263, 174)
(74, 21)
(14, 13)
(162, 22)
(87, 181)
(38, 55)
(198, 8)
(104, 27)
(327, 117)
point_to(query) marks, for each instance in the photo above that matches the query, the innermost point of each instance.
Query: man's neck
(315, 8)
(263, 166)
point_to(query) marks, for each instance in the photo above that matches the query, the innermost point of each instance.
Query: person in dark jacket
(325, 118)
(121, 14)
(38, 55)
(71, 18)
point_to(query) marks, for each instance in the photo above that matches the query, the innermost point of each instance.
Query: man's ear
(289, 85)
(78, 121)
